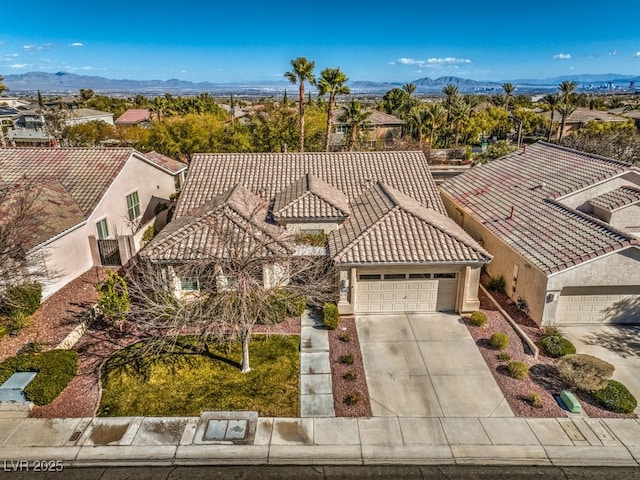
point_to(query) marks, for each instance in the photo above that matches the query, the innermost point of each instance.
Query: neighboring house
(14, 102)
(388, 233)
(563, 227)
(580, 117)
(140, 117)
(78, 116)
(628, 113)
(29, 129)
(94, 203)
(381, 128)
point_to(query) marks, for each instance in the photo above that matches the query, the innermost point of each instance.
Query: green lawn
(186, 385)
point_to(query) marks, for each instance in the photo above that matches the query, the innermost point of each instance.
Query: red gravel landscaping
(542, 378)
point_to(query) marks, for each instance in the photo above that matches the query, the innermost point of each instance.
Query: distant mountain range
(63, 82)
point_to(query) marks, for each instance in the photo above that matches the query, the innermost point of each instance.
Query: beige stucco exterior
(69, 255)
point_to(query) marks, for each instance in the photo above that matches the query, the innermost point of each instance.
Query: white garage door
(598, 305)
(380, 293)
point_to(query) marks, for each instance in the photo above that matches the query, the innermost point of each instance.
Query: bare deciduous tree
(240, 270)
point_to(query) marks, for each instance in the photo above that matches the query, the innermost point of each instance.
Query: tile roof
(134, 116)
(310, 198)
(515, 198)
(584, 115)
(171, 164)
(237, 217)
(267, 174)
(617, 198)
(74, 179)
(389, 227)
(376, 118)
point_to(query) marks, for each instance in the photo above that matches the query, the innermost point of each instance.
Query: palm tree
(565, 110)
(302, 72)
(410, 88)
(3, 87)
(355, 116)
(332, 81)
(416, 119)
(508, 88)
(451, 92)
(553, 100)
(435, 117)
(566, 89)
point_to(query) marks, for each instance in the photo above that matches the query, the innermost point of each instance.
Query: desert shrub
(615, 397)
(31, 347)
(344, 337)
(297, 305)
(149, 233)
(351, 399)
(504, 356)
(350, 375)
(496, 283)
(499, 341)
(17, 321)
(331, 316)
(347, 359)
(551, 331)
(584, 372)
(24, 298)
(56, 368)
(478, 319)
(535, 399)
(557, 346)
(518, 370)
(113, 302)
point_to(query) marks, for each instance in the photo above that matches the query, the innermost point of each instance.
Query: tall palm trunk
(327, 136)
(550, 126)
(352, 137)
(301, 113)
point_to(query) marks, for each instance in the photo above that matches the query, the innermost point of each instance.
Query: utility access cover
(226, 427)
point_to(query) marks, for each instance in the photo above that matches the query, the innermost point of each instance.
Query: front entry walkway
(426, 365)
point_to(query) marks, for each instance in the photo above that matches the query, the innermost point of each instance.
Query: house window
(103, 229)
(419, 275)
(133, 205)
(189, 284)
(342, 128)
(394, 276)
(370, 277)
(444, 275)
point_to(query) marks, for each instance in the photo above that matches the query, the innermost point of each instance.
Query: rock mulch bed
(543, 377)
(350, 392)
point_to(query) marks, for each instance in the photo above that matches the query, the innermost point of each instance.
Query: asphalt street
(332, 473)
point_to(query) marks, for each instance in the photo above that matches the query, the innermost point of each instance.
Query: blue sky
(380, 40)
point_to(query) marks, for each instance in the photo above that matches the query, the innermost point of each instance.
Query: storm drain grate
(74, 436)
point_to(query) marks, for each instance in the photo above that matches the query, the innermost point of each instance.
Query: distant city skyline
(379, 41)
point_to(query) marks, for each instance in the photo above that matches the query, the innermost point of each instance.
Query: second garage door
(598, 305)
(380, 293)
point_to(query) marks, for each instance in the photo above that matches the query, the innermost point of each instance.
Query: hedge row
(56, 368)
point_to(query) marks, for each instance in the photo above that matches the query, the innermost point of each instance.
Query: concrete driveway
(426, 365)
(616, 344)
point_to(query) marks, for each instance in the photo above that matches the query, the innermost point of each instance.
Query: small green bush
(504, 356)
(17, 321)
(344, 337)
(331, 316)
(615, 397)
(149, 233)
(499, 341)
(478, 319)
(31, 347)
(56, 368)
(297, 305)
(556, 346)
(347, 359)
(551, 331)
(350, 375)
(496, 283)
(114, 301)
(24, 298)
(584, 372)
(535, 399)
(351, 399)
(518, 370)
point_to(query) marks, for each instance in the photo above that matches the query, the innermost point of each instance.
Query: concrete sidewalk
(322, 441)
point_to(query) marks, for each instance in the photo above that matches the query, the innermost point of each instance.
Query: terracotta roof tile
(514, 197)
(310, 197)
(171, 164)
(620, 197)
(133, 116)
(389, 227)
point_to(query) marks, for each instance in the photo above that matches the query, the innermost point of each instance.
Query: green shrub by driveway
(615, 397)
(518, 370)
(187, 384)
(556, 346)
(56, 368)
(584, 372)
(499, 341)
(478, 319)
(331, 316)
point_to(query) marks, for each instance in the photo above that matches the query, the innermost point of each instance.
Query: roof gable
(310, 197)
(389, 227)
(618, 198)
